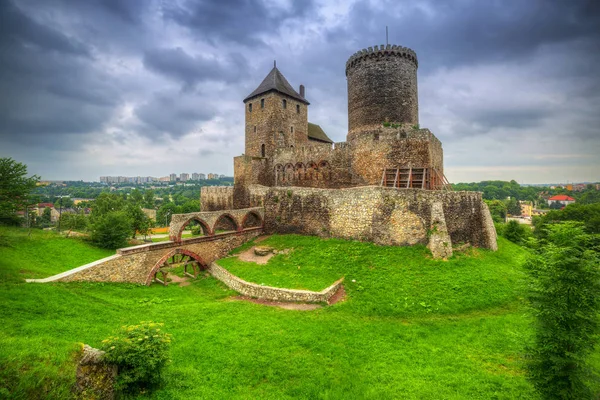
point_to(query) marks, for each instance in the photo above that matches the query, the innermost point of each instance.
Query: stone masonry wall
(382, 87)
(384, 216)
(272, 293)
(139, 266)
(342, 165)
(273, 125)
(214, 198)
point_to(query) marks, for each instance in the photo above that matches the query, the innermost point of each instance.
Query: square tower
(276, 116)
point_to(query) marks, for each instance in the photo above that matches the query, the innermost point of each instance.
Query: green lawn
(411, 328)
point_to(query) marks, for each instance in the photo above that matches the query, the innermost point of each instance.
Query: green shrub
(110, 231)
(140, 353)
(565, 297)
(196, 230)
(516, 232)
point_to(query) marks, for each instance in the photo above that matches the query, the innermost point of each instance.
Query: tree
(136, 197)
(565, 297)
(588, 214)
(15, 189)
(138, 219)
(107, 203)
(45, 220)
(111, 230)
(497, 209)
(164, 213)
(149, 198)
(76, 222)
(516, 232)
(513, 207)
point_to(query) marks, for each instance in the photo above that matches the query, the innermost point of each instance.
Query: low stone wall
(272, 293)
(385, 216)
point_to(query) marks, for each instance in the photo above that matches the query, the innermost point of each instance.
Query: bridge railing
(170, 244)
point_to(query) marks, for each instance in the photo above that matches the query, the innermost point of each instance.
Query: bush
(140, 353)
(111, 230)
(565, 297)
(516, 232)
(76, 222)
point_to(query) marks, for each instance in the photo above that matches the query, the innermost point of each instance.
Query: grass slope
(391, 281)
(466, 342)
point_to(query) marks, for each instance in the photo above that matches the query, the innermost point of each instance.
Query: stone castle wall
(384, 216)
(382, 87)
(358, 163)
(214, 198)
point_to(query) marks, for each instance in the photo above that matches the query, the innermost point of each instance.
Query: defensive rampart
(385, 216)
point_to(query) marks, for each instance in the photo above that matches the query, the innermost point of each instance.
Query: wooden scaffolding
(415, 178)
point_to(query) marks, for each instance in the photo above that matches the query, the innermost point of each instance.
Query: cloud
(108, 87)
(162, 116)
(175, 63)
(238, 21)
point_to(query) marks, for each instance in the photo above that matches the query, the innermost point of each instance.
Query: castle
(384, 184)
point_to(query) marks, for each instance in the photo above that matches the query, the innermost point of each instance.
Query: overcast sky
(128, 87)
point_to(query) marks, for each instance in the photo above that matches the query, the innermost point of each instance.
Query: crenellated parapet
(382, 51)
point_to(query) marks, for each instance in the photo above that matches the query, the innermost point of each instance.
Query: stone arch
(205, 228)
(170, 254)
(278, 173)
(311, 170)
(226, 222)
(324, 170)
(251, 220)
(300, 171)
(289, 172)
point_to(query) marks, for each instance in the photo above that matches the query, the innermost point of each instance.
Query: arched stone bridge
(214, 221)
(223, 231)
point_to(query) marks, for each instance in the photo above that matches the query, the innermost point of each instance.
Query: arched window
(297, 108)
(262, 103)
(250, 107)
(284, 103)
(262, 150)
(292, 129)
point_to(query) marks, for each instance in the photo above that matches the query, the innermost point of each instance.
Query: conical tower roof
(275, 81)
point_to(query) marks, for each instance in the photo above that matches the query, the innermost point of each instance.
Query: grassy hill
(411, 327)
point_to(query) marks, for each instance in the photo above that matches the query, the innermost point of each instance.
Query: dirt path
(249, 256)
(183, 281)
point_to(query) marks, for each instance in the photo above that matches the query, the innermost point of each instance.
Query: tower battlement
(381, 51)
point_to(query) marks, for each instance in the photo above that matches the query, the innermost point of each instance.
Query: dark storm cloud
(239, 21)
(18, 30)
(163, 116)
(465, 32)
(48, 82)
(179, 65)
(119, 69)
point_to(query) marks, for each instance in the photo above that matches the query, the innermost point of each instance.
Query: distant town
(183, 177)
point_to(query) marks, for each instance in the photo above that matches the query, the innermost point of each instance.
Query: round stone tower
(382, 87)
